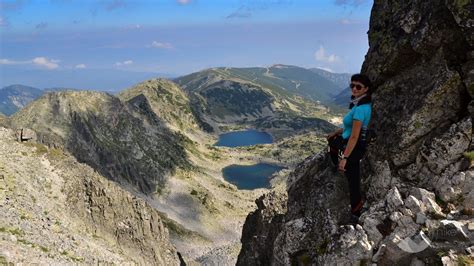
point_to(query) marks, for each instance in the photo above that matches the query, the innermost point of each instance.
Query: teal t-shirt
(361, 113)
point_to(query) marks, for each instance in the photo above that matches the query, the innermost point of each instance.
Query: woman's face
(358, 88)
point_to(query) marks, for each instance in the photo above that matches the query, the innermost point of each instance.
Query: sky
(178, 37)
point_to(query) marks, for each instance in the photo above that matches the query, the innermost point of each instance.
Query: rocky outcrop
(125, 142)
(115, 214)
(169, 102)
(4, 121)
(56, 210)
(417, 179)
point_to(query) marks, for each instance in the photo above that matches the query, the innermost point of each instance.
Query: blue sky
(182, 36)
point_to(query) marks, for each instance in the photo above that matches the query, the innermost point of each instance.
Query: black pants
(337, 146)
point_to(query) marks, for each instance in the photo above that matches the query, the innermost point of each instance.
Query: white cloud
(321, 55)
(127, 62)
(45, 62)
(326, 69)
(8, 62)
(348, 21)
(40, 61)
(133, 27)
(81, 66)
(183, 2)
(354, 3)
(163, 45)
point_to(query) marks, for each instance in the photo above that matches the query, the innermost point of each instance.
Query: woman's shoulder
(365, 106)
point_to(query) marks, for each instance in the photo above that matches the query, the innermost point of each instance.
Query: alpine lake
(247, 176)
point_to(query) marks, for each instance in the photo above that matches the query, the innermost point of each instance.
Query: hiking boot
(354, 219)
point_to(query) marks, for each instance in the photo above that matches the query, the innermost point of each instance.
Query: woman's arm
(351, 143)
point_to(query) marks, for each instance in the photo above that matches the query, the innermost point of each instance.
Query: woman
(350, 140)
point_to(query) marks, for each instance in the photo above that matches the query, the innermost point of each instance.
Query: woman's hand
(329, 136)
(332, 135)
(342, 165)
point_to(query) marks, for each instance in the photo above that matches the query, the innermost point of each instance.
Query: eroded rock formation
(417, 178)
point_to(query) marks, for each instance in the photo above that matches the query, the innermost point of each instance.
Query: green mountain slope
(281, 79)
(256, 97)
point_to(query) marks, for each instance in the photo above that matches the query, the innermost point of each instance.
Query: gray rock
(452, 259)
(428, 200)
(380, 253)
(468, 202)
(470, 250)
(417, 262)
(381, 181)
(470, 226)
(402, 247)
(351, 247)
(394, 200)
(396, 216)
(370, 226)
(420, 218)
(26, 134)
(414, 204)
(449, 231)
(407, 212)
(418, 63)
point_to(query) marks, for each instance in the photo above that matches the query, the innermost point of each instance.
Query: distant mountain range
(15, 97)
(340, 79)
(311, 84)
(294, 84)
(90, 79)
(279, 99)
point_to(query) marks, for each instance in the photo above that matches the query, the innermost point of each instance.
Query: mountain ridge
(102, 131)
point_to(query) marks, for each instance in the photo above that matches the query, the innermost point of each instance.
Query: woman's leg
(335, 144)
(353, 176)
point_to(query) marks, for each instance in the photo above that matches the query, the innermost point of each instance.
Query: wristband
(345, 157)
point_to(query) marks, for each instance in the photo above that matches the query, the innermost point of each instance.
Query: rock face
(167, 101)
(417, 181)
(56, 210)
(124, 141)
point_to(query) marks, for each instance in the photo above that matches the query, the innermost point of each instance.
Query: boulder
(394, 200)
(414, 204)
(428, 200)
(350, 247)
(449, 231)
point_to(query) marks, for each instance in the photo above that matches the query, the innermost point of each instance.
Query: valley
(157, 141)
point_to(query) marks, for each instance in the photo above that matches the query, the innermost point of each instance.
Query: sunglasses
(357, 86)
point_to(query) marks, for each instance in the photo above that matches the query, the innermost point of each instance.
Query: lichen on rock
(415, 176)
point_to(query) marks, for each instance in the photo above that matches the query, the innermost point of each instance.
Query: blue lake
(244, 138)
(250, 176)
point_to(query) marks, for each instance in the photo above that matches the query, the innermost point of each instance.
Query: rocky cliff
(124, 141)
(169, 102)
(57, 210)
(418, 175)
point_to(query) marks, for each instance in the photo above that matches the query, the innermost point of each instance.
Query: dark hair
(366, 82)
